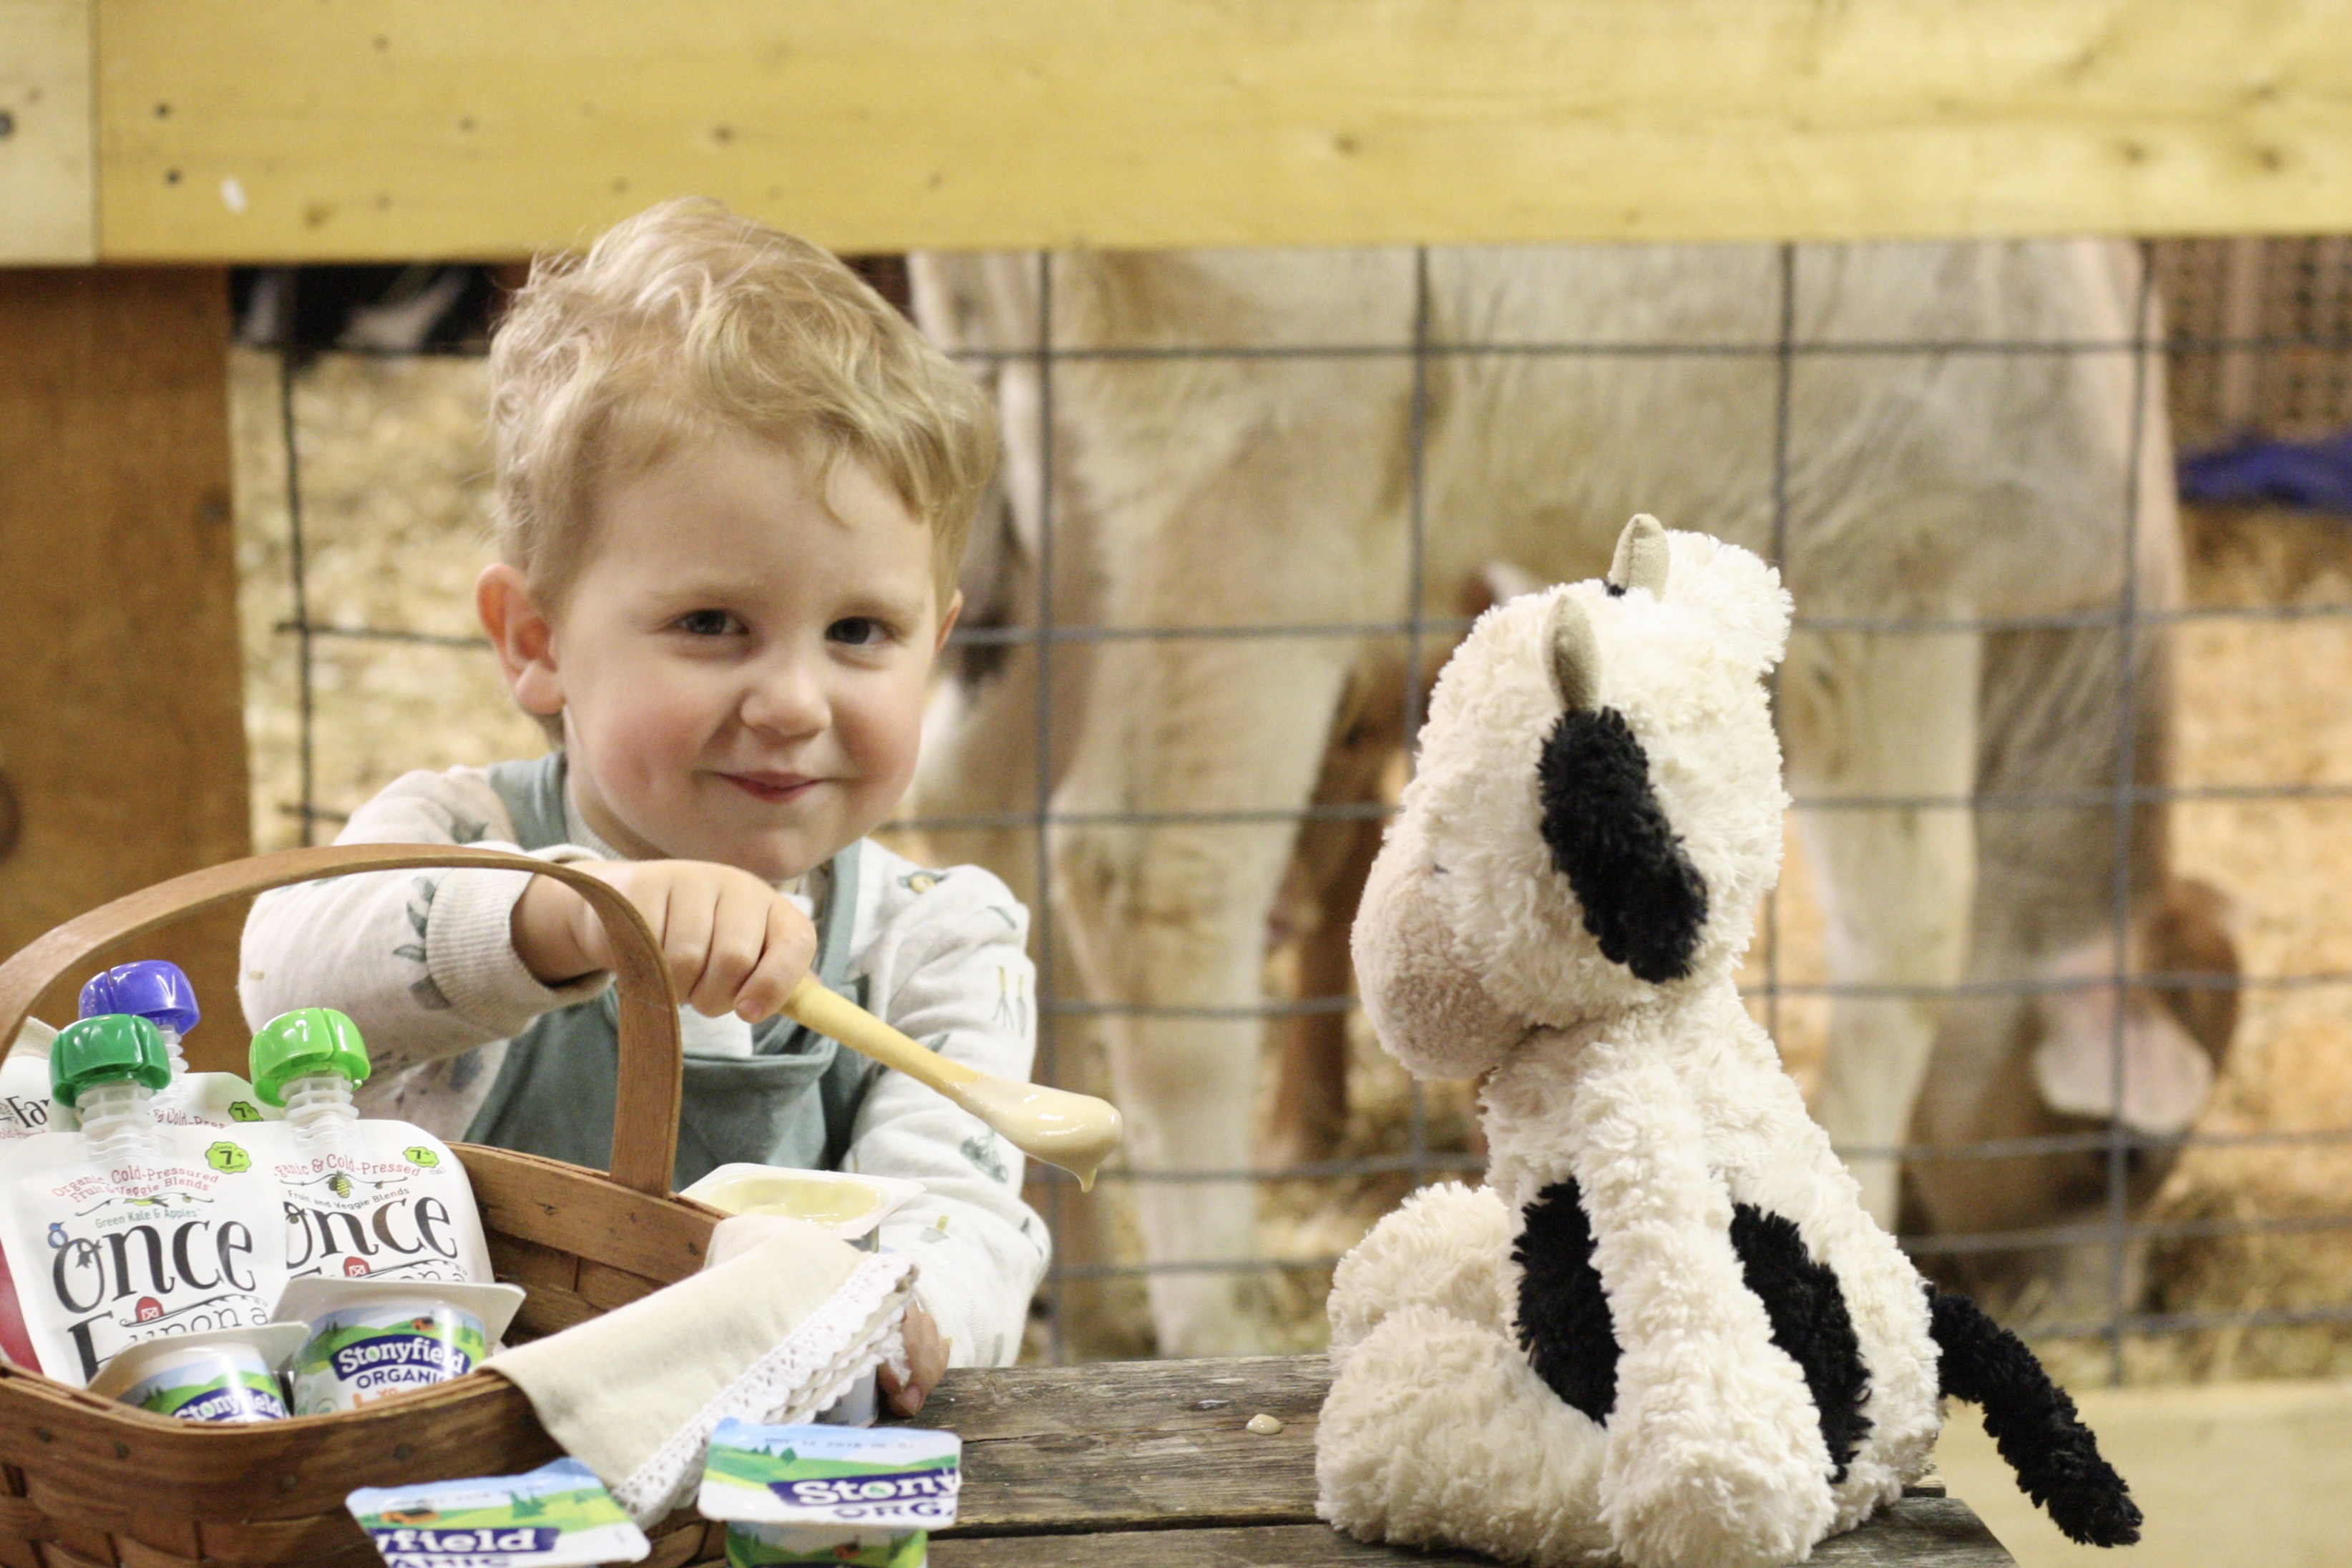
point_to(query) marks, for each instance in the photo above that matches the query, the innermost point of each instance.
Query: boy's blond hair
(686, 320)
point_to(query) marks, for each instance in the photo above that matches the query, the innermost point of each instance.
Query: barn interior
(251, 255)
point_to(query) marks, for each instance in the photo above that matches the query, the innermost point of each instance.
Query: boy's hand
(734, 944)
(927, 1360)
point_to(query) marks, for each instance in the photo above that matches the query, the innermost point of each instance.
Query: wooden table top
(1150, 1463)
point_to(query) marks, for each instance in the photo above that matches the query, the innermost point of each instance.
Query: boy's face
(740, 661)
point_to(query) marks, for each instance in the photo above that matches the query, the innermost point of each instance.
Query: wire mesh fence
(362, 490)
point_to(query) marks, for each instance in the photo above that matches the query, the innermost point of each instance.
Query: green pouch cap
(302, 1043)
(107, 1048)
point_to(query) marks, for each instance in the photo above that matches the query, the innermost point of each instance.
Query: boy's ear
(523, 637)
(948, 621)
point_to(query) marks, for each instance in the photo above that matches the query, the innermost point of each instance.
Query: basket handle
(645, 1100)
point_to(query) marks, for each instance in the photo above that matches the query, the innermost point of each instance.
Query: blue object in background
(2311, 475)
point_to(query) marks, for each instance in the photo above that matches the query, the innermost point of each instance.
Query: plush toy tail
(2034, 1423)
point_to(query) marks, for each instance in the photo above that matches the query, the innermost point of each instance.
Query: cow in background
(1939, 486)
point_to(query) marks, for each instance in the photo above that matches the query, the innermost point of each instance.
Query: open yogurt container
(221, 1374)
(851, 1207)
(370, 1339)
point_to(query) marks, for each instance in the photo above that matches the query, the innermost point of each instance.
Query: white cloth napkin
(774, 1335)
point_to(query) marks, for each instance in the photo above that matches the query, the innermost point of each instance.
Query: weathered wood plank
(1137, 1481)
(1274, 1546)
(122, 691)
(1917, 1532)
(400, 129)
(1128, 1447)
(49, 163)
(1100, 1399)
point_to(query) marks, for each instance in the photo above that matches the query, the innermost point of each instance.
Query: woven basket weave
(85, 1481)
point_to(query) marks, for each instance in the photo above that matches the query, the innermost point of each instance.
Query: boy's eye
(708, 623)
(857, 631)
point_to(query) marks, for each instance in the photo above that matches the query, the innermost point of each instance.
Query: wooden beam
(121, 711)
(379, 128)
(48, 167)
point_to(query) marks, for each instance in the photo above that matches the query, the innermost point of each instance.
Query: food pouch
(830, 1494)
(160, 992)
(365, 1199)
(24, 1081)
(127, 1230)
(557, 1514)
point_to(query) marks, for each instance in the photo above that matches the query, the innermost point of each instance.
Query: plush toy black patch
(1809, 1322)
(1642, 899)
(1563, 1317)
(2032, 1421)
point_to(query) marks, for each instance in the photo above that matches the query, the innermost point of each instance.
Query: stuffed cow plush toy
(1666, 1332)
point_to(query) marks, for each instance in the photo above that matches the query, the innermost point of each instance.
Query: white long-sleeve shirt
(424, 963)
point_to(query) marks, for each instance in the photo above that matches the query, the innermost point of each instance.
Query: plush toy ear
(1574, 656)
(1643, 900)
(1640, 558)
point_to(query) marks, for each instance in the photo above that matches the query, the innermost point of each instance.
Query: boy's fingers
(649, 895)
(588, 933)
(784, 956)
(688, 913)
(904, 1398)
(738, 933)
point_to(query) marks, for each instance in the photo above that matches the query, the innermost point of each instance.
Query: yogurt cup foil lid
(863, 1479)
(552, 1517)
(313, 1296)
(274, 1343)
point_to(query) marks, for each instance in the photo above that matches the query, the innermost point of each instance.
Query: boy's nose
(786, 698)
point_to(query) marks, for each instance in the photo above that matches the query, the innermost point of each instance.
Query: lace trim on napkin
(857, 1329)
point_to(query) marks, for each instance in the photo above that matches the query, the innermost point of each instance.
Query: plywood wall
(319, 129)
(121, 735)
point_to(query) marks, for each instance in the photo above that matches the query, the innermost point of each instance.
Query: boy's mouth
(773, 787)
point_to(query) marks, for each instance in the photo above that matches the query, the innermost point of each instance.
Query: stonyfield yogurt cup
(372, 1339)
(830, 1494)
(793, 1546)
(851, 1207)
(223, 1375)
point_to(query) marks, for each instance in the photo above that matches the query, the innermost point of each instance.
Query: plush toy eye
(1643, 900)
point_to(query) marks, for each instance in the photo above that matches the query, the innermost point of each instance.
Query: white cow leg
(1872, 714)
(1171, 916)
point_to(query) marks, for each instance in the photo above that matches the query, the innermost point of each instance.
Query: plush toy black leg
(1564, 1323)
(2034, 1423)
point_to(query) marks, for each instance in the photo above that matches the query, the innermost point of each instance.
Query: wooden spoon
(1076, 1132)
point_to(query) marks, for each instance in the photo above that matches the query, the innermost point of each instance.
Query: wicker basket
(85, 1481)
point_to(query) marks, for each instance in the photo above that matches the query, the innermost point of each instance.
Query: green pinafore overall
(791, 1102)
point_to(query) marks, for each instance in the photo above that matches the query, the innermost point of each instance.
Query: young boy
(734, 487)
